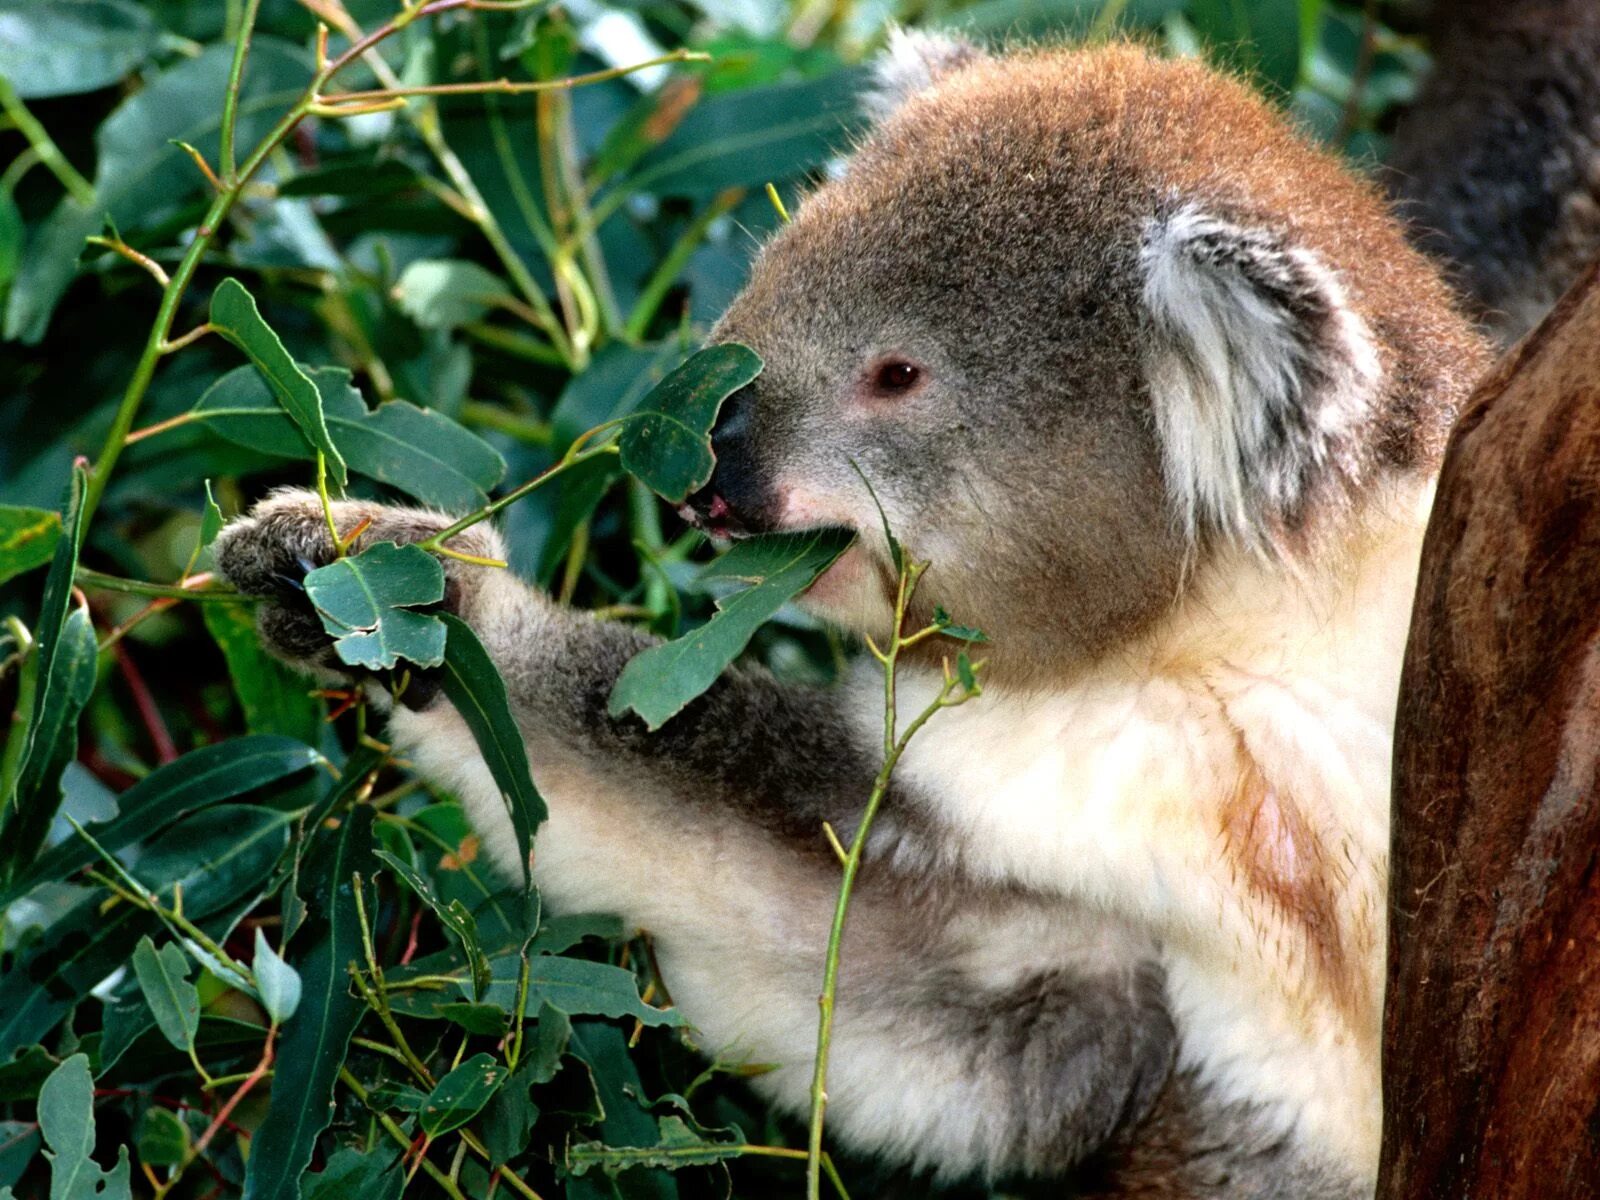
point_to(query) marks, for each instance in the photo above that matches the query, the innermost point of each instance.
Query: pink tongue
(719, 508)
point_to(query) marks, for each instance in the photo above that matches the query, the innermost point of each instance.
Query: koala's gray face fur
(1076, 342)
(1005, 430)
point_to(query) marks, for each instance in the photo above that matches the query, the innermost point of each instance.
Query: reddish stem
(145, 703)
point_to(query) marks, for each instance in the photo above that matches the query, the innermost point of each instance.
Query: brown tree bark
(1492, 1018)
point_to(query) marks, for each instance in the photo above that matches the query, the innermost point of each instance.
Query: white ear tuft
(1261, 374)
(911, 63)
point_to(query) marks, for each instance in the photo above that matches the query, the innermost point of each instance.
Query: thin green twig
(953, 692)
(79, 188)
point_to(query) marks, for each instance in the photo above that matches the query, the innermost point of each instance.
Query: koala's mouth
(708, 512)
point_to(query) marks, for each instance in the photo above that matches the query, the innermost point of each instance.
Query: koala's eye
(895, 377)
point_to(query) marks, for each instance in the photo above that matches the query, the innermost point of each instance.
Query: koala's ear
(1261, 374)
(913, 62)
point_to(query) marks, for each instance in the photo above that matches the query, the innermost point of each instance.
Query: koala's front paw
(268, 552)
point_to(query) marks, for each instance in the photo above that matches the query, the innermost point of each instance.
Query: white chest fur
(1227, 787)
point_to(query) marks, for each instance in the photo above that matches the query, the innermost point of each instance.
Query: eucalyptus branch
(149, 265)
(80, 189)
(957, 689)
(198, 587)
(575, 454)
(234, 182)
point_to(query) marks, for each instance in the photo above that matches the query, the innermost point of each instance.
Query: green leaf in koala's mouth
(365, 603)
(775, 567)
(666, 442)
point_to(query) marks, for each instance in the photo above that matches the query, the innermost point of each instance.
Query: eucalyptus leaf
(658, 682)
(366, 602)
(473, 684)
(680, 1146)
(314, 1040)
(27, 808)
(277, 983)
(414, 450)
(162, 1138)
(28, 538)
(752, 136)
(666, 442)
(574, 986)
(164, 979)
(461, 1095)
(275, 699)
(236, 318)
(453, 915)
(448, 293)
(66, 1119)
(64, 47)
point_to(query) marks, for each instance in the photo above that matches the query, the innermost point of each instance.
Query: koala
(1159, 389)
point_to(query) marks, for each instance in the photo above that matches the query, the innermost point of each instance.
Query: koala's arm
(976, 1032)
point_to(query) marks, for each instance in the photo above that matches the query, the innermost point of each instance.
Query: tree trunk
(1492, 1019)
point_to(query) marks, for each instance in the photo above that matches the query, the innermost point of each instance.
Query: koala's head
(1085, 320)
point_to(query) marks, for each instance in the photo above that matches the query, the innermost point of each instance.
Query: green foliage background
(470, 282)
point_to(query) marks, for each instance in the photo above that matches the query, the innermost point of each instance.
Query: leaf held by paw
(366, 603)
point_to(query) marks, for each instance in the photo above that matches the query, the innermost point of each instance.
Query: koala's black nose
(733, 500)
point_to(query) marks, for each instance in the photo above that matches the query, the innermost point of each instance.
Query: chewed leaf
(659, 682)
(365, 603)
(66, 1118)
(236, 318)
(666, 443)
(680, 1146)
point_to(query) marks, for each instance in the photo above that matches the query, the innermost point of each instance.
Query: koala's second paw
(269, 551)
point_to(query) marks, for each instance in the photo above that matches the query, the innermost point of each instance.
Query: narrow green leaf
(27, 538)
(575, 986)
(365, 603)
(277, 983)
(164, 979)
(25, 817)
(473, 685)
(658, 682)
(461, 1095)
(454, 916)
(66, 1118)
(60, 48)
(211, 520)
(315, 1039)
(666, 442)
(237, 319)
(54, 732)
(680, 1146)
(440, 293)
(414, 450)
(202, 777)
